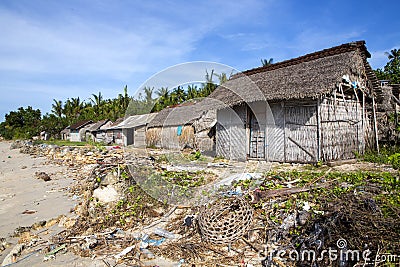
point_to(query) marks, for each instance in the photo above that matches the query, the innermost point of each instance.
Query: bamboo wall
(301, 131)
(292, 133)
(275, 133)
(298, 131)
(342, 128)
(231, 133)
(167, 137)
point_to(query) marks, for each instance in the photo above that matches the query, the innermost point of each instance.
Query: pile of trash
(310, 217)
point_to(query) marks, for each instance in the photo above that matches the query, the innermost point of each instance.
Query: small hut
(317, 107)
(65, 133)
(76, 133)
(189, 125)
(134, 129)
(112, 134)
(90, 130)
(100, 135)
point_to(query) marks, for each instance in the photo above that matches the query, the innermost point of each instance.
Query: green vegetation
(184, 178)
(387, 155)
(20, 124)
(391, 71)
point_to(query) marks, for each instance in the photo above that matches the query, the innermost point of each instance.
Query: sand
(20, 190)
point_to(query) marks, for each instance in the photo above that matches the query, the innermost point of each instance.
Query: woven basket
(225, 220)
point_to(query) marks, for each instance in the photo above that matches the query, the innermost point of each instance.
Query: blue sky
(63, 49)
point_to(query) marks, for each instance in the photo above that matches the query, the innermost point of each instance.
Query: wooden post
(319, 129)
(363, 123)
(375, 124)
(284, 131)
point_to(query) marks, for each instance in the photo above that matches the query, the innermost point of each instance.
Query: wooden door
(257, 138)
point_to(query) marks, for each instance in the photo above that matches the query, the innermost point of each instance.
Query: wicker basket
(225, 220)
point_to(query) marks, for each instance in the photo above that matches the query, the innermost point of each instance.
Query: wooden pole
(319, 129)
(284, 131)
(375, 124)
(363, 123)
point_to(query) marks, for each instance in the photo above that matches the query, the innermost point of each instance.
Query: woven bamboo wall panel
(341, 129)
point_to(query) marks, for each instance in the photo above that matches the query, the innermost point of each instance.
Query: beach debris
(124, 252)
(228, 181)
(42, 175)
(29, 211)
(53, 252)
(302, 209)
(164, 233)
(13, 254)
(106, 194)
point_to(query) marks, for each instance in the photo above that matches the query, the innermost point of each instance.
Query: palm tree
(267, 62)
(164, 97)
(57, 108)
(222, 77)
(76, 106)
(97, 101)
(192, 91)
(392, 68)
(126, 97)
(209, 86)
(148, 92)
(179, 95)
(163, 92)
(68, 111)
(393, 55)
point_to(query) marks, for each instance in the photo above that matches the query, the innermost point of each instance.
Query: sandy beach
(25, 199)
(21, 192)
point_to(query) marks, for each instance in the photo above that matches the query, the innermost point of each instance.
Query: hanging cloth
(179, 131)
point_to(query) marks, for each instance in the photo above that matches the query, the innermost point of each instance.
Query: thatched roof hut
(314, 107)
(188, 125)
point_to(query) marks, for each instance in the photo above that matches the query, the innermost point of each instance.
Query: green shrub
(395, 160)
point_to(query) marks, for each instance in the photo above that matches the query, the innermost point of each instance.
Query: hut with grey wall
(108, 133)
(77, 132)
(134, 129)
(91, 130)
(100, 135)
(318, 107)
(65, 133)
(191, 125)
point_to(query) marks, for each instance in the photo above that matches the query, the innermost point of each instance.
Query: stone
(106, 194)
(42, 175)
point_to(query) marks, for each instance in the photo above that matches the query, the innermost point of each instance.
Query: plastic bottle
(163, 233)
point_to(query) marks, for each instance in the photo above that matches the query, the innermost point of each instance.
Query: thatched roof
(307, 76)
(95, 126)
(110, 125)
(135, 121)
(66, 130)
(79, 124)
(184, 114)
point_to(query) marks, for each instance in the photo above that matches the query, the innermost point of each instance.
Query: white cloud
(379, 58)
(78, 47)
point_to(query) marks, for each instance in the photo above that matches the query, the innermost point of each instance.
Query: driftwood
(341, 162)
(258, 194)
(285, 191)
